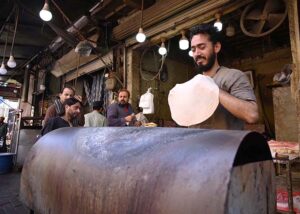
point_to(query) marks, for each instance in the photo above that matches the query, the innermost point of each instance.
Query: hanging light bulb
(191, 53)
(11, 62)
(140, 36)
(218, 24)
(183, 42)
(3, 69)
(162, 49)
(45, 13)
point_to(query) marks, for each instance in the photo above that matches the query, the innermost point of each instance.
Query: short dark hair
(97, 105)
(208, 29)
(71, 101)
(68, 87)
(124, 90)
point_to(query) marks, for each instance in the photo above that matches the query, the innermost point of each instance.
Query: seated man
(71, 110)
(121, 113)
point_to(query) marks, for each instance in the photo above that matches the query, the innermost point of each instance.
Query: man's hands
(129, 118)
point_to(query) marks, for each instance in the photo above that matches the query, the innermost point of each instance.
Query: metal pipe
(18, 135)
(124, 66)
(289, 185)
(25, 87)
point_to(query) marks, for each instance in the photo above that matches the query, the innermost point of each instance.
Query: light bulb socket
(218, 16)
(46, 6)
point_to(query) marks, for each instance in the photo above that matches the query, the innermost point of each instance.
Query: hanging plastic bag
(146, 102)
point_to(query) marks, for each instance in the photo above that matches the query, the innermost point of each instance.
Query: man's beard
(74, 115)
(122, 103)
(210, 63)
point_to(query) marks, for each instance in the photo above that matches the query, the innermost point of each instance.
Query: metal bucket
(6, 162)
(115, 170)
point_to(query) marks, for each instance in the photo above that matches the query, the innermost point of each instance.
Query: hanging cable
(142, 14)
(6, 39)
(11, 62)
(7, 19)
(163, 58)
(15, 30)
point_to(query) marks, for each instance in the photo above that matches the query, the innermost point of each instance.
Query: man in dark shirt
(3, 132)
(71, 110)
(121, 113)
(57, 109)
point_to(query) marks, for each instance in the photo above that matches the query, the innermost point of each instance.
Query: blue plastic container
(6, 162)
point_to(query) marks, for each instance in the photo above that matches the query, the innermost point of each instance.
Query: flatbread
(194, 101)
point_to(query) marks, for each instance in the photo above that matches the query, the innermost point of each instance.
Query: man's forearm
(242, 109)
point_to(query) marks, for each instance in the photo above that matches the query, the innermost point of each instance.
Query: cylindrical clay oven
(149, 170)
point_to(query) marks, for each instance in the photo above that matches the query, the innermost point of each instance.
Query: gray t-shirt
(236, 83)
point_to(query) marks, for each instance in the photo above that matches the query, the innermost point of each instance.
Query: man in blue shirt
(121, 113)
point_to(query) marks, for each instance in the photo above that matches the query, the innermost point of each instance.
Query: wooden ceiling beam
(101, 6)
(152, 15)
(201, 13)
(137, 4)
(116, 10)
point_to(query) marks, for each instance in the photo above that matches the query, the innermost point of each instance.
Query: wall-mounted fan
(262, 17)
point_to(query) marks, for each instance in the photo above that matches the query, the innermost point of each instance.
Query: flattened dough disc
(194, 101)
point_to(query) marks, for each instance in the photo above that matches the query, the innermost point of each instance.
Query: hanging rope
(163, 58)
(142, 9)
(5, 47)
(15, 30)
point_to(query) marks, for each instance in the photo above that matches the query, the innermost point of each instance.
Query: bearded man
(71, 111)
(121, 113)
(237, 100)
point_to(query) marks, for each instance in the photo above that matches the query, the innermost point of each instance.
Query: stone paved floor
(9, 194)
